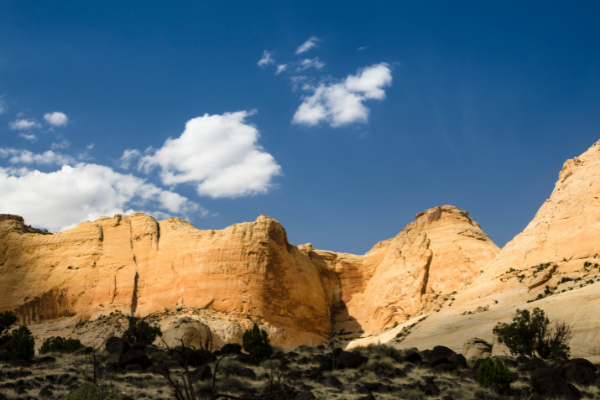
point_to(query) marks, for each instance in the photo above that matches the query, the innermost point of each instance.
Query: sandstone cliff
(83, 281)
(553, 264)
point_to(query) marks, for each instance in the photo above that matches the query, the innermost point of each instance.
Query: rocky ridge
(554, 264)
(83, 281)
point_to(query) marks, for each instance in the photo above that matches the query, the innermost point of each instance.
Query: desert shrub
(532, 333)
(140, 331)
(381, 350)
(383, 367)
(159, 356)
(60, 345)
(7, 319)
(230, 367)
(92, 392)
(493, 372)
(227, 384)
(20, 345)
(256, 343)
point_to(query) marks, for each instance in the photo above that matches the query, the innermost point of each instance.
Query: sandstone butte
(554, 264)
(82, 282)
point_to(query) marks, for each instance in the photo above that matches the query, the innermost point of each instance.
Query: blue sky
(390, 108)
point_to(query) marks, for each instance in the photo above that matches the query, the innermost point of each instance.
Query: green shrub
(532, 333)
(7, 319)
(20, 345)
(493, 372)
(256, 343)
(90, 391)
(140, 331)
(60, 345)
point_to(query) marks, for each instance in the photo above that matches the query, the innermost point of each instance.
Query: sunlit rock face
(553, 264)
(83, 281)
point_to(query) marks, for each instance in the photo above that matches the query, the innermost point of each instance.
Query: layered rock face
(223, 281)
(555, 260)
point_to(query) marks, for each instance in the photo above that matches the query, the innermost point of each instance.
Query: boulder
(135, 357)
(533, 364)
(549, 383)
(578, 370)
(477, 348)
(351, 360)
(231, 348)
(412, 358)
(444, 368)
(115, 345)
(441, 351)
(459, 361)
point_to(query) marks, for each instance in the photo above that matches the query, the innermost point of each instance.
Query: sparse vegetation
(256, 343)
(532, 334)
(140, 331)
(490, 372)
(60, 345)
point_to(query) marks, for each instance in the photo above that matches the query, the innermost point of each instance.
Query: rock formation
(553, 264)
(83, 281)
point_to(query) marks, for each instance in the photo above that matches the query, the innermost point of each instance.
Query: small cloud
(363, 135)
(63, 144)
(296, 81)
(308, 63)
(128, 157)
(2, 107)
(24, 124)
(281, 68)
(266, 59)
(28, 136)
(90, 146)
(341, 103)
(49, 157)
(363, 48)
(309, 44)
(56, 118)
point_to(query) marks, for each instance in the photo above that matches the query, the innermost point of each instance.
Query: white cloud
(217, 153)
(63, 144)
(28, 136)
(2, 107)
(61, 199)
(128, 157)
(341, 103)
(281, 68)
(90, 146)
(309, 44)
(363, 48)
(24, 124)
(266, 59)
(308, 63)
(27, 157)
(56, 118)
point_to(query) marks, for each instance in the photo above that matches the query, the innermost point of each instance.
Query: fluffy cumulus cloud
(219, 154)
(24, 124)
(56, 118)
(309, 44)
(341, 103)
(63, 198)
(266, 59)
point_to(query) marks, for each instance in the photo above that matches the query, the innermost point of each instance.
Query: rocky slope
(83, 281)
(554, 264)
